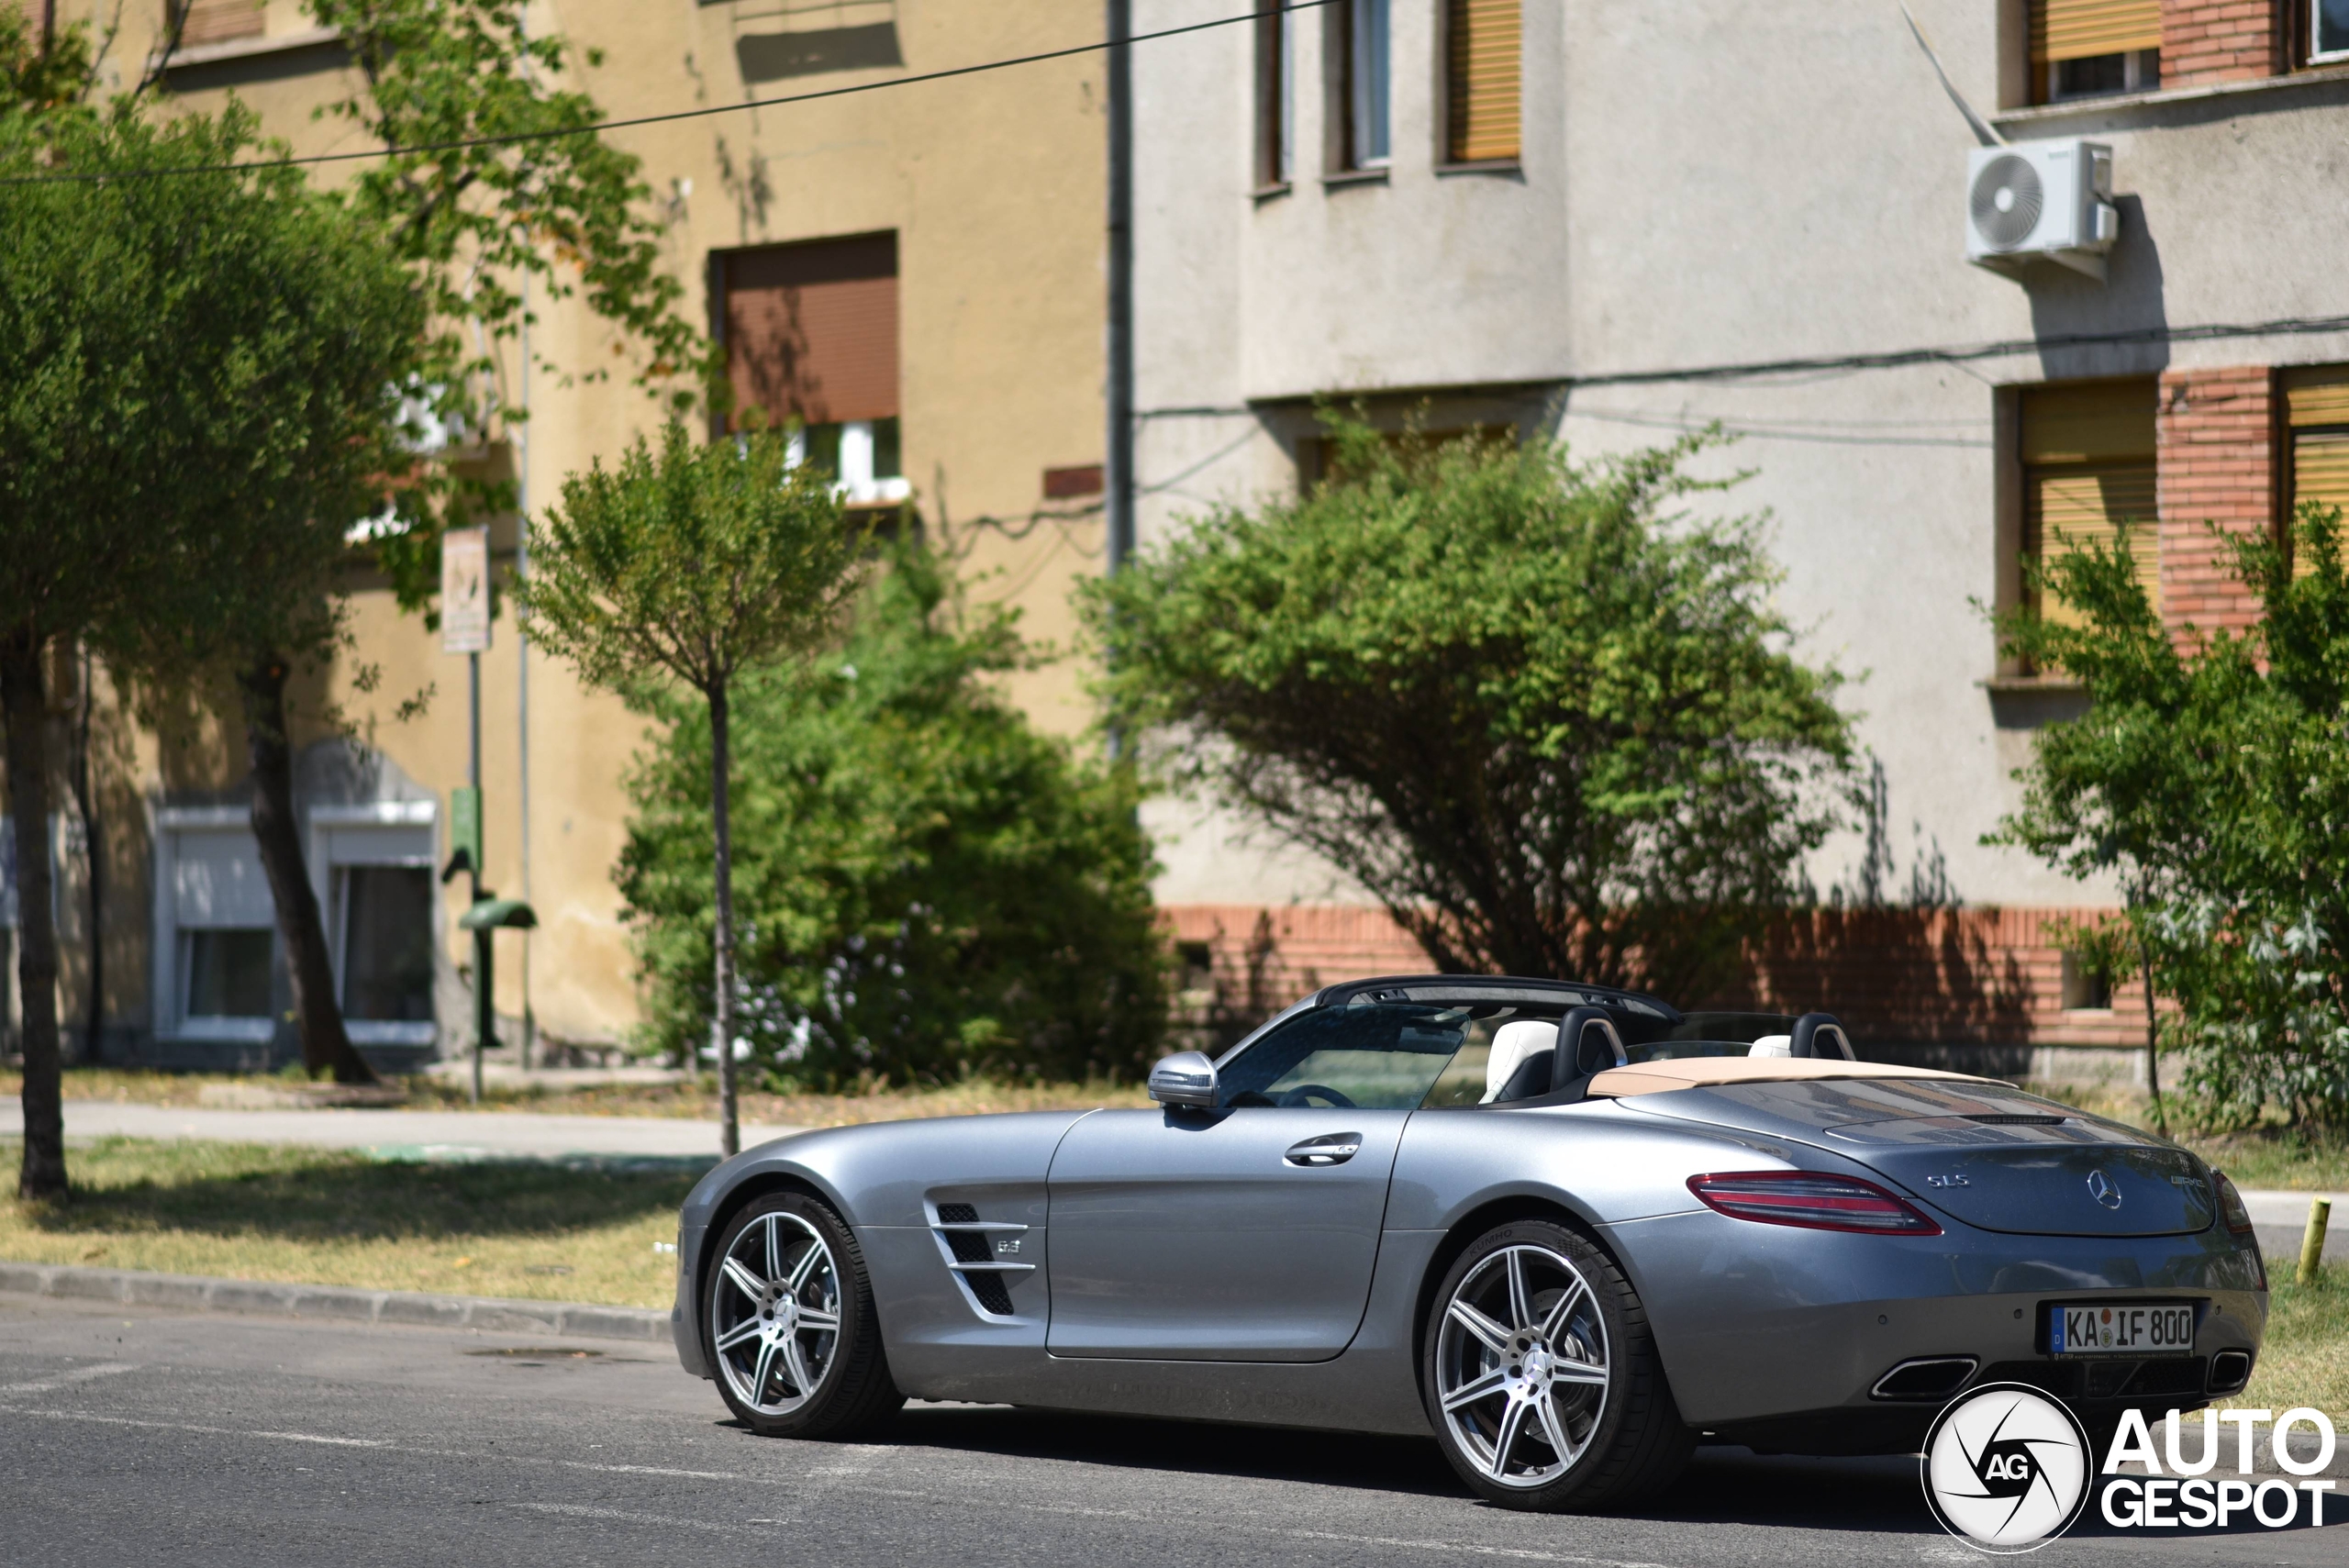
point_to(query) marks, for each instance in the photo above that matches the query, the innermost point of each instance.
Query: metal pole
(522, 657)
(1117, 466)
(484, 1003)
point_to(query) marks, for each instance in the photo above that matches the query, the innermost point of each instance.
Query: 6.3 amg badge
(2007, 1468)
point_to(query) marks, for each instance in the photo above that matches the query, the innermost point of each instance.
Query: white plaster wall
(1711, 183)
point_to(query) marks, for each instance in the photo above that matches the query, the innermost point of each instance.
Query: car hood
(1985, 1154)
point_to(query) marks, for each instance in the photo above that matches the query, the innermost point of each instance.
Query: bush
(2210, 775)
(925, 886)
(1554, 725)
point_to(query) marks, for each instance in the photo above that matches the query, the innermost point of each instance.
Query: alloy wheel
(775, 1314)
(1523, 1365)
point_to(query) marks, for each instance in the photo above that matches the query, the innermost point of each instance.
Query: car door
(1247, 1232)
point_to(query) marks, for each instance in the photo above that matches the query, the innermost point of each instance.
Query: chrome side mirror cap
(1185, 1079)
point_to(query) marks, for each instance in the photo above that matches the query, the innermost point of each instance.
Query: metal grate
(991, 1292)
(957, 1214)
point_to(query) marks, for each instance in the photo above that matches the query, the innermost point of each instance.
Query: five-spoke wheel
(1542, 1377)
(792, 1329)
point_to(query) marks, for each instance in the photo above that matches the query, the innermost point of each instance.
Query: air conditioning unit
(2041, 201)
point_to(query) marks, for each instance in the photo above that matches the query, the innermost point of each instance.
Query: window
(219, 21)
(1377, 1057)
(2088, 454)
(216, 928)
(811, 338)
(2086, 987)
(1481, 81)
(386, 913)
(228, 971)
(2328, 31)
(1275, 112)
(1358, 45)
(2085, 49)
(2316, 410)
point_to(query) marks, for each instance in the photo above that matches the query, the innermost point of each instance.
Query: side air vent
(981, 1252)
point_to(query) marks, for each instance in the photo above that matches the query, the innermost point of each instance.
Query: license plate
(2120, 1330)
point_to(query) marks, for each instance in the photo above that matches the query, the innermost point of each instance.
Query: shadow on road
(1723, 1484)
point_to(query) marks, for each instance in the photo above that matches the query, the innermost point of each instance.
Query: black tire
(851, 1391)
(1622, 1441)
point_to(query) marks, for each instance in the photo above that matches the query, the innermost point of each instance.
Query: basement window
(2328, 32)
(228, 971)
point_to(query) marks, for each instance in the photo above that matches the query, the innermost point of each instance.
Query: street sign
(464, 826)
(464, 591)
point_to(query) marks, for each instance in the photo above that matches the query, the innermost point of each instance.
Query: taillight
(2230, 1204)
(1812, 1199)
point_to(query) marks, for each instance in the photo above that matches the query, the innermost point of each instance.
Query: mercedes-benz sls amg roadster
(1568, 1230)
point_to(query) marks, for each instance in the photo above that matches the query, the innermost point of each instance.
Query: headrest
(1512, 1043)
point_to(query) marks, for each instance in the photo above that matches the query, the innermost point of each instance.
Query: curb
(195, 1293)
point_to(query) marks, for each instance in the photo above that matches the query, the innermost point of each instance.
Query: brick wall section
(2209, 42)
(1945, 976)
(2216, 442)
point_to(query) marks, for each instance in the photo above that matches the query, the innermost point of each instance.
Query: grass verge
(317, 1217)
(689, 1099)
(2305, 1359)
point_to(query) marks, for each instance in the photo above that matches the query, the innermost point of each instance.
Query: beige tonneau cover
(1705, 1071)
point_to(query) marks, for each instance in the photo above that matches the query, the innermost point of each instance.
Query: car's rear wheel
(792, 1328)
(1542, 1376)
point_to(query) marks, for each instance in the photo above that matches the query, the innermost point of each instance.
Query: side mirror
(1185, 1079)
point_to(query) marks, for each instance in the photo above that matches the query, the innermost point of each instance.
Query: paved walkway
(397, 1134)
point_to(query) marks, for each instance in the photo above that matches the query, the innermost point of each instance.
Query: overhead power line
(511, 139)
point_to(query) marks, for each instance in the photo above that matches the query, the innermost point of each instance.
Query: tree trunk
(93, 853)
(325, 1045)
(720, 759)
(26, 704)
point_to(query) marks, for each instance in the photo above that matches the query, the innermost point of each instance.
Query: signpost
(464, 629)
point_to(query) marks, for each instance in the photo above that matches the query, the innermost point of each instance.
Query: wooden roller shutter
(1483, 74)
(811, 329)
(2079, 29)
(2316, 404)
(2088, 452)
(217, 21)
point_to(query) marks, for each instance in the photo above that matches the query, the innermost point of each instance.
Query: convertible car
(1568, 1230)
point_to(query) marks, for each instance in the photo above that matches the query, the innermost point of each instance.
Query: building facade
(912, 275)
(1621, 223)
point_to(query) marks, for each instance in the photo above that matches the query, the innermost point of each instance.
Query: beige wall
(994, 185)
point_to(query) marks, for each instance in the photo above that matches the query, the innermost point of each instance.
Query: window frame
(2311, 13)
(1361, 86)
(374, 833)
(173, 825)
(1273, 135)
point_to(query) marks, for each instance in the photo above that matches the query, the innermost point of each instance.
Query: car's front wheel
(792, 1327)
(1542, 1376)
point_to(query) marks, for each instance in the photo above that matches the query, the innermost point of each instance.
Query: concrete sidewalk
(406, 1135)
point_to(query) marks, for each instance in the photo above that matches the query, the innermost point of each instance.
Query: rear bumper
(1780, 1336)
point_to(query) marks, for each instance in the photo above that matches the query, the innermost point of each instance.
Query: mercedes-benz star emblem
(2007, 1468)
(2100, 1187)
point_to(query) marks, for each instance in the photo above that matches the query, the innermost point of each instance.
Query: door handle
(1330, 1149)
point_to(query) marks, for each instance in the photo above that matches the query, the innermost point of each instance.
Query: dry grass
(314, 1217)
(2305, 1361)
(692, 1099)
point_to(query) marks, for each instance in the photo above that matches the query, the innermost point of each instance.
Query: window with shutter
(2088, 467)
(2316, 409)
(811, 338)
(1481, 75)
(217, 21)
(2084, 48)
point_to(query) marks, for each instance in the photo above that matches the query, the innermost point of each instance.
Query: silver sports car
(1569, 1230)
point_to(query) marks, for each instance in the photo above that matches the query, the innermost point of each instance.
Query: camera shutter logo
(2103, 1189)
(2007, 1468)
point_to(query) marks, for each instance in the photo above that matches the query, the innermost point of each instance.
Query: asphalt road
(128, 1437)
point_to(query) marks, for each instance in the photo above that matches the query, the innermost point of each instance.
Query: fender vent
(981, 1254)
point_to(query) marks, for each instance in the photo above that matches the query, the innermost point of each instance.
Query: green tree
(1553, 727)
(2211, 777)
(200, 392)
(926, 885)
(694, 566)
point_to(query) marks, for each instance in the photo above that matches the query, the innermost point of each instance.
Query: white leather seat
(1511, 1045)
(1773, 1045)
